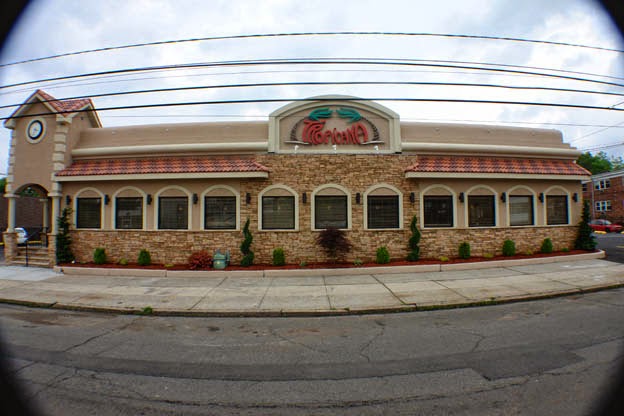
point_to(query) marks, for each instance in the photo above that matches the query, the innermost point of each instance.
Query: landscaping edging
(94, 271)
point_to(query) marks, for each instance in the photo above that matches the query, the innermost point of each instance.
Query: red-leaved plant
(200, 260)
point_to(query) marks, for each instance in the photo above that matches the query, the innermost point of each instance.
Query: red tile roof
(469, 164)
(65, 106)
(198, 164)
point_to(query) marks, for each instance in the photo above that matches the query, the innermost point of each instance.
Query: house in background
(605, 192)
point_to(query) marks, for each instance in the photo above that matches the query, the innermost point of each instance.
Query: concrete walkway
(320, 292)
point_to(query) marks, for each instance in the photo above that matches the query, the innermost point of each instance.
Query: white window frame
(289, 190)
(203, 196)
(602, 184)
(342, 189)
(394, 191)
(603, 206)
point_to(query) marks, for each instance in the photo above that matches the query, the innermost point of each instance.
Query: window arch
(88, 209)
(278, 209)
(437, 207)
(480, 207)
(383, 207)
(172, 210)
(220, 205)
(331, 207)
(521, 206)
(557, 200)
(129, 209)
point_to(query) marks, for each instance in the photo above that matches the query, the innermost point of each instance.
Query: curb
(349, 271)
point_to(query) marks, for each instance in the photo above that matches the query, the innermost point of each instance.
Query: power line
(309, 34)
(318, 83)
(277, 100)
(597, 131)
(305, 61)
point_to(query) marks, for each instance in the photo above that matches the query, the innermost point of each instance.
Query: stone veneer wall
(304, 173)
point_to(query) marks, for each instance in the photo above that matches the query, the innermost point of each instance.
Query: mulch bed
(453, 260)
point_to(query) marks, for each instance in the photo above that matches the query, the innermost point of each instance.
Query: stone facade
(305, 173)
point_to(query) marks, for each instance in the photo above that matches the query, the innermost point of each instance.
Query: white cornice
(171, 148)
(464, 175)
(156, 176)
(488, 149)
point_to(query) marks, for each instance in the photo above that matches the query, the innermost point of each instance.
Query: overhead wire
(309, 34)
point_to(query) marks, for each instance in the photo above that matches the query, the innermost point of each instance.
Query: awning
(163, 168)
(495, 167)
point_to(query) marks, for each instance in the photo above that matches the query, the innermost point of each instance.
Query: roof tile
(469, 164)
(64, 106)
(198, 164)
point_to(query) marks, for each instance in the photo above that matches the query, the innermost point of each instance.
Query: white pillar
(45, 222)
(11, 213)
(56, 203)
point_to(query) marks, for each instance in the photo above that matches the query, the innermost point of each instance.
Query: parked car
(22, 235)
(605, 225)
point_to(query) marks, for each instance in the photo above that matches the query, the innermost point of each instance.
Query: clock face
(35, 130)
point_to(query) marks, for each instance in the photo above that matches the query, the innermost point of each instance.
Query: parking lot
(613, 244)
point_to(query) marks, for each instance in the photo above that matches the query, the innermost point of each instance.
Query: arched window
(438, 207)
(557, 206)
(221, 206)
(129, 209)
(331, 207)
(383, 207)
(88, 208)
(278, 208)
(173, 208)
(481, 206)
(521, 206)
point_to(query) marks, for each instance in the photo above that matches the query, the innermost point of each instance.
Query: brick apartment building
(605, 192)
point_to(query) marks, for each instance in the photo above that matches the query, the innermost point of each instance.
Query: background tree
(599, 163)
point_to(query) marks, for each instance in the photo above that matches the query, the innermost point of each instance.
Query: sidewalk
(320, 292)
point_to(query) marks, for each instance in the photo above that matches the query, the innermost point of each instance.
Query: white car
(22, 235)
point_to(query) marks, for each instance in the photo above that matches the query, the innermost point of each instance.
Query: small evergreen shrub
(200, 260)
(99, 256)
(357, 262)
(414, 253)
(464, 250)
(383, 256)
(334, 242)
(279, 259)
(145, 259)
(63, 239)
(509, 248)
(529, 252)
(245, 247)
(585, 240)
(303, 264)
(123, 261)
(565, 249)
(547, 246)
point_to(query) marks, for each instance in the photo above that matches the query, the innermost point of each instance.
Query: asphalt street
(525, 358)
(613, 245)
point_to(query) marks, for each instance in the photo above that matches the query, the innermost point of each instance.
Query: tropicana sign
(358, 132)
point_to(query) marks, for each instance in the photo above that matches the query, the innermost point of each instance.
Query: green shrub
(565, 249)
(148, 310)
(63, 239)
(414, 253)
(169, 265)
(123, 261)
(145, 259)
(529, 252)
(245, 247)
(585, 239)
(200, 260)
(303, 264)
(547, 246)
(357, 262)
(464, 250)
(99, 256)
(279, 259)
(334, 242)
(509, 248)
(488, 256)
(383, 256)
(444, 258)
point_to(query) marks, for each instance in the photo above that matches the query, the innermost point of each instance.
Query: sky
(49, 27)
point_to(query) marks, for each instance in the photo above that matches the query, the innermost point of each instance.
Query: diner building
(329, 161)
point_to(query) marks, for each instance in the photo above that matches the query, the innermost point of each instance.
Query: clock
(35, 130)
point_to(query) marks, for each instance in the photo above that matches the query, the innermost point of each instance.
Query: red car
(605, 225)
